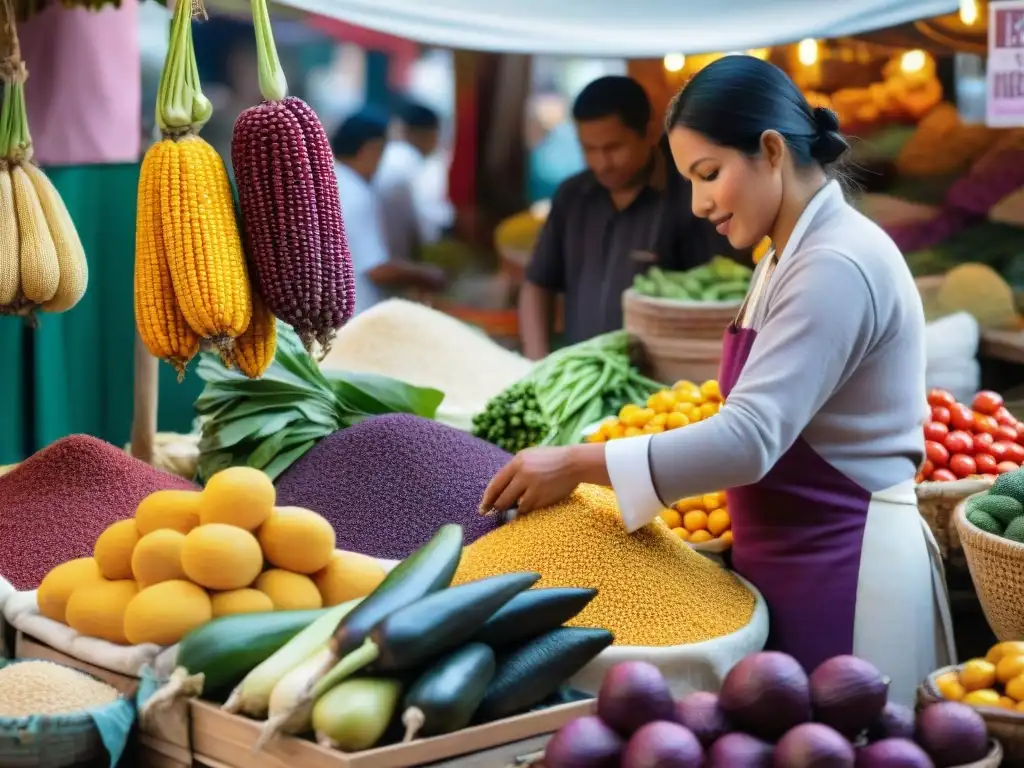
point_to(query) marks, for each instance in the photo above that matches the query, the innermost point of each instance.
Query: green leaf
(285, 460)
(373, 393)
(268, 449)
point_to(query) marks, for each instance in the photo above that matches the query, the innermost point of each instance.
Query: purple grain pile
(388, 483)
(55, 504)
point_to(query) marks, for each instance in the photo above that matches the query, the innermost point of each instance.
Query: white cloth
(364, 228)
(412, 199)
(902, 622)
(608, 28)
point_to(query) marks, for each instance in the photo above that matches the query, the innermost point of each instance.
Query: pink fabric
(84, 88)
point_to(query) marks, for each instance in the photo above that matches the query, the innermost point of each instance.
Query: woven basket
(56, 741)
(646, 317)
(997, 569)
(1004, 725)
(936, 501)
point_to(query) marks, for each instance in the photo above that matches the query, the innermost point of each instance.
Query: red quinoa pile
(55, 504)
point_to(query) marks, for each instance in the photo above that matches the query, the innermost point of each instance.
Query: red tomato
(1000, 451)
(962, 465)
(1007, 466)
(987, 401)
(983, 441)
(940, 413)
(1004, 417)
(959, 442)
(986, 463)
(927, 468)
(961, 417)
(940, 397)
(935, 430)
(942, 476)
(983, 423)
(1015, 453)
(1006, 434)
(936, 453)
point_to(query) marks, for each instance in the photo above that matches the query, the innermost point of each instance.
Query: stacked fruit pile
(700, 519)
(994, 681)
(189, 556)
(683, 404)
(434, 656)
(768, 713)
(983, 439)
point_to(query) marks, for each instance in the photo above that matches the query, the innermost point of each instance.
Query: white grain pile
(44, 688)
(427, 348)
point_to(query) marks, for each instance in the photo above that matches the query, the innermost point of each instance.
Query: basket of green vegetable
(695, 304)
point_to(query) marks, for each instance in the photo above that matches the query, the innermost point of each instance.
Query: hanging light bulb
(807, 52)
(968, 12)
(674, 62)
(913, 61)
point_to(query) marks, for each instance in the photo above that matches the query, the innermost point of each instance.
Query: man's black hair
(614, 96)
(357, 130)
(418, 116)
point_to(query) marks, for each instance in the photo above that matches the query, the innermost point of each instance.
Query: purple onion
(813, 745)
(952, 734)
(766, 694)
(848, 694)
(634, 693)
(586, 742)
(895, 722)
(893, 753)
(701, 714)
(739, 750)
(663, 745)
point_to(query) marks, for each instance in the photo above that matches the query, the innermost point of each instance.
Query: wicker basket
(997, 569)
(937, 502)
(646, 317)
(1004, 725)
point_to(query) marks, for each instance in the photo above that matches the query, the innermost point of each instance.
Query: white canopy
(637, 28)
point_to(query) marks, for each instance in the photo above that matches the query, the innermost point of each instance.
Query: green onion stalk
(181, 106)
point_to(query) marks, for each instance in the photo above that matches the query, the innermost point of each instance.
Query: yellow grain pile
(44, 688)
(653, 590)
(427, 348)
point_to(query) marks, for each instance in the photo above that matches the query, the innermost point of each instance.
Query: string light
(968, 12)
(807, 52)
(913, 61)
(674, 62)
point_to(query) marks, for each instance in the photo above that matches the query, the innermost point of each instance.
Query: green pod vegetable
(442, 620)
(444, 698)
(355, 714)
(533, 672)
(533, 613)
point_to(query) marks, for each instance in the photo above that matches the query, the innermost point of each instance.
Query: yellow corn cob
(74, 270)
(161, 325)
(197, 215)
(40, 271)
(10, 262)
(254, 349)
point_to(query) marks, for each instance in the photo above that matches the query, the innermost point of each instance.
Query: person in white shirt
(358, 145)
(415, 210)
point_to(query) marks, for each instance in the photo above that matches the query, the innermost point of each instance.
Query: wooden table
(1003, 345)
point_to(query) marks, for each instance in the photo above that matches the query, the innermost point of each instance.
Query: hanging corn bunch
(191, 278)
(291, 214)
(42, 262)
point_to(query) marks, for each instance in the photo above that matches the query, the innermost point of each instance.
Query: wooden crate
(222, 740)
(27, 647)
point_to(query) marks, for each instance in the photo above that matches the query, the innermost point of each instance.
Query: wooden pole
(145, 393)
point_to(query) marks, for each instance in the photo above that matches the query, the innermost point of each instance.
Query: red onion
(633, 694)
(893, 753)
(895, 722)
(701, 714)
(813, 745)
(584, 743)
(848, 694)
(952, 734)
(663, 745)
(766, 694)
(739, 750)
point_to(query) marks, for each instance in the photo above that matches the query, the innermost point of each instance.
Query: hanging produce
(291, 214)
(42, 261)
(191, 278)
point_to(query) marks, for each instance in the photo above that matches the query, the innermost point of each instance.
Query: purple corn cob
(291, 218)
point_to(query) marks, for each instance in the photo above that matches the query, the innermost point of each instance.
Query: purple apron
(797, 536)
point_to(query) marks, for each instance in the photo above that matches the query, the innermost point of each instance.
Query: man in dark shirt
(629, 210)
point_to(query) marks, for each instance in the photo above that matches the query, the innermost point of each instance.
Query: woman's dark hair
(735, 99)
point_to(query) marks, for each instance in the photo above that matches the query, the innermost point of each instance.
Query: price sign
(1005, 77)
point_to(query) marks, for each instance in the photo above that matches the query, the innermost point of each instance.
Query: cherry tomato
(983, 441)
(1000, 451)
(1004, 417)
(987, 402)
(935, 430)
(1006, 434)
(986, 463)
(943, 476)
(936, 453)
(927, 468)
(959, 442)
(940, 397)
(1015, 453)
(940, 413)
(1007, 466)
(961, 417)
(983, 423)
(962, 465)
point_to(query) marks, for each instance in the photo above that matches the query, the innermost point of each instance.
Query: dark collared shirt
(590, 251)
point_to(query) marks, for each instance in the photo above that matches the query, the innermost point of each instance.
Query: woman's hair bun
(829, 145)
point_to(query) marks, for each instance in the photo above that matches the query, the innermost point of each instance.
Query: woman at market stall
(823, 370)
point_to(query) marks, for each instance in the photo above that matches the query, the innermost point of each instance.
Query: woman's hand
(540, 477)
